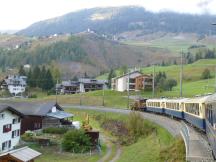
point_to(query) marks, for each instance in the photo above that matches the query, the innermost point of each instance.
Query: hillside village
(115, 84)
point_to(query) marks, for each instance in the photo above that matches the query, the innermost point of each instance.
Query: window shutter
(3, 128)
(9, 143)
(3, 145)
(13, 134)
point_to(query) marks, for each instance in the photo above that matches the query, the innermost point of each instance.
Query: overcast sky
(18, 14)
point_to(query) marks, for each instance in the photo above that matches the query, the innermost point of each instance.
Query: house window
(6, 145)
(36, 125)
(16, 120)
(2, 116)
(6, 128)
(15, 133)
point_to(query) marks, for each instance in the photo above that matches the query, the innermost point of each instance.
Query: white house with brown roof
(124, 82)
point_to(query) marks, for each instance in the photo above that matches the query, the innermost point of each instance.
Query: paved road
(199, 149)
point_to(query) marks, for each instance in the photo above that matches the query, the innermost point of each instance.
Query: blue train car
(211, 134)
(195, 120)
(155, 109)
(174, 107)
(194, 111)
(175, 113)
(210, 119)
(155, 105)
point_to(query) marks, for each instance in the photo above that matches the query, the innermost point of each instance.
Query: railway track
(199, 149)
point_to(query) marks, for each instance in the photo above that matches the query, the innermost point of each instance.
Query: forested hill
(79, 54)
(121, 19)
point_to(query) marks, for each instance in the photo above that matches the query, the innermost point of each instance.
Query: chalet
(15, 84)
(82, 85)
(10, 120)
(67, 87)
(41, 115)
(86, 84)
(10, 124)
(132, 81)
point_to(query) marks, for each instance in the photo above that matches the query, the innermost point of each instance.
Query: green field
(146, 149)
(175, 44)
(192, 82)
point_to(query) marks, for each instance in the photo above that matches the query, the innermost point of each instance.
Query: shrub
(137, 126)
(206, 74)
(76, 141)
(28, 136)
(54, 130)
(32, 96)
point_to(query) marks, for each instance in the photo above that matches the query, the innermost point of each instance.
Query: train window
(192, 108)
(174, 106)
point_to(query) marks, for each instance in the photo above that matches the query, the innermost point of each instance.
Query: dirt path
(117, 155)
(108, 157)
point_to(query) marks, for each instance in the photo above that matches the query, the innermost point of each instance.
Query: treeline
(38, 77)
(200, 54)
(60, 51)
(164, 83)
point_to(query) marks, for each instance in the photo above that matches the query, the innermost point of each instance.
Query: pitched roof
(34, 108)
(24, 154)
(4, 107)
(130, 73)
(60, 114)
(88, 81)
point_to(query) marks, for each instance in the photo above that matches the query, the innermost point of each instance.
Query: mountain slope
(80, 53)
(115, 20)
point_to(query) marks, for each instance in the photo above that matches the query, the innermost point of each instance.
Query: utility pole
(181, 73)
(56, 91)
(153, 82)
(215, 78)
(103, 97)
(128, 90)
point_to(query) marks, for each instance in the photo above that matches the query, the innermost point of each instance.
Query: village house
(82, 85)
(41, 115)
(15, 84)
(68, 87)
(10, 120)
(10, 124)
(86, 84)
(133, 81)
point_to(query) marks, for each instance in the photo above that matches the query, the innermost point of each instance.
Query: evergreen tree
(35, 77)
(48, 81)
(86, 75)
(29, 78)
(42, 77)
(22, 71)
(110, 76)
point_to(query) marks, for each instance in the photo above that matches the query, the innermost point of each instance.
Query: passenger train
(198, 111)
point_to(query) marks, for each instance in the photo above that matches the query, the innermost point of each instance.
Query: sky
(19, 14)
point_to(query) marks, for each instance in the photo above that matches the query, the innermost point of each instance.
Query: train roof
(202, 99)
(211, 98)
(168, 100)
(176, 100)
(156, 100)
